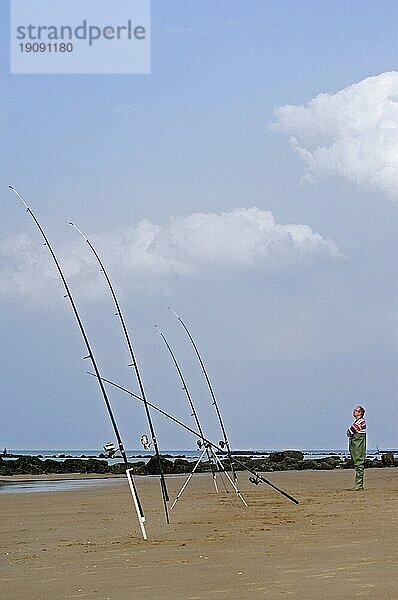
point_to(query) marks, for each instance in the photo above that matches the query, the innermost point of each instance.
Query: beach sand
(87, 543)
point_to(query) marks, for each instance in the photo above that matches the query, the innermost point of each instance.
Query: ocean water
(132, 455)
(140, 454)
(136, 455)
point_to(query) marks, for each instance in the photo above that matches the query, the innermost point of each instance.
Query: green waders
(358, 453)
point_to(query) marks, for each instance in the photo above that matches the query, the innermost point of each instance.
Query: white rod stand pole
(188, 479)
(141, 516)
(230, 480)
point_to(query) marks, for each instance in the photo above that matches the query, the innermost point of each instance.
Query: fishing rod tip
(70, 223)
(11, 187)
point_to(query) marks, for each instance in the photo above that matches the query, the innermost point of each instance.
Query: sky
(250, 182)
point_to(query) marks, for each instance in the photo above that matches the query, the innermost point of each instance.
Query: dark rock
(53, 466)
(327, 463)
(310, 464)
(28, 464)
(387, 459)
(73, 465)
(93, 465)
(260, 464)
(294, 455)
(6, 467)
(172, 456)
(276, 457)
(139, 467)
(333, 462)
(181, 465)
(324, 465)
(118, 469)
(204, 467)
(289, 464)
(77, 465)
(277, 461)
(226, 463)
(152, 466)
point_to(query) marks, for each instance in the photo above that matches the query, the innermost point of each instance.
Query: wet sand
(87, 543)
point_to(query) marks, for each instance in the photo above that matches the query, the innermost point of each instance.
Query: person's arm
(359, 426)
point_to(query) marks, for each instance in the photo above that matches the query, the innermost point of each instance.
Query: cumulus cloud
(352, 133)
(23, 268)
(148, 254)
(245, 236)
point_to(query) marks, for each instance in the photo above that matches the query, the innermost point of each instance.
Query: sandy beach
(87, 543)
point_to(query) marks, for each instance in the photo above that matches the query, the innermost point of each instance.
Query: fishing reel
(202, 444)
(110, 449)
(255, 480)
(145, 442)
(221, 443)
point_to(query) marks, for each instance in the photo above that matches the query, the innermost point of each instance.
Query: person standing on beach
(357, 445)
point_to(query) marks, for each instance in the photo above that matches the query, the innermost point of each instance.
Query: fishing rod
(133, 489)
(256, 479)
(134, 364)
(213, 396)
(190, 401)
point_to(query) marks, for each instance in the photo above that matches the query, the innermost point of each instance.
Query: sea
(140, 454)
(145, 455)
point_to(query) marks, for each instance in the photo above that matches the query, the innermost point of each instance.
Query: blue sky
(292, 306)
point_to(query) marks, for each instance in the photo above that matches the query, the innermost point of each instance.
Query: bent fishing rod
(256, 479)
(134, 364)
(190, 401)
(212, 394)
(133, 489)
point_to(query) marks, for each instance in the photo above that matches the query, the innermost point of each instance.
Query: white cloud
(148, 254)
(352, 133)
(23, 268)
(243, 237)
